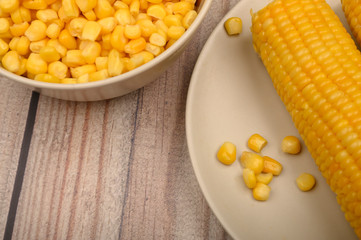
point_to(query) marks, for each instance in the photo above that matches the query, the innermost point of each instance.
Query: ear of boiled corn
(316, 69)
(352, 10)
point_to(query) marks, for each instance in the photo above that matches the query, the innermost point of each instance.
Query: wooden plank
(14, 103)
(118, 169)
(77, 168)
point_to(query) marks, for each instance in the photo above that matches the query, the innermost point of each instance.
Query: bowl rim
(205, 5)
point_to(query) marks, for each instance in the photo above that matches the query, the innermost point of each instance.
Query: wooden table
(115, 169)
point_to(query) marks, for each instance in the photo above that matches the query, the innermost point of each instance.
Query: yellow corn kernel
(68, 81)
(103, 9)
(47, 15)
(182, 7)
(119, 4)
(58, 69)
(13, 44)
(90, 51)
(44, 77)
(115, 63)
(62, 15)
(19, 29)
(16, 16)
(74, 58)
(134, 7)
(90, 15)
(147, 56)
(233, 26)
(106, 42)
(271, 165)
(153, 49)
(83, 79)
(147, 27)
(107, 25)
(227, 153)
(169, 7)
(261, 192)
(56, 44)
(123, 16)
(175, 32)
(4, 47)
(156, 11)
(141, 16)
(11, 61)
(305, 182)
(249, 178)
(76, 26)
(35, 47)
(56, 5)
(135, 46)
(36, 31)
(157, 39)
(291, 145)
(134, 62)
(265, 178)
(70, 8)
(53, 30)
(34, 4)
(86, 5)
(67, 40)
(132, 31)
(9, 5)
(173, 20)
(161, 25)
(49, 54)
(22, 68)
(256, 142)
(23, 46)
(36, 64)
(118, 40)
(81, 70)
(4, 25)
(101, 63)
(98, 75)
(189, 18)
(91, 31)
(252, 161)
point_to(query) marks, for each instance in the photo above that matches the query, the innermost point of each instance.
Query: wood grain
(116, 169)
(14, 103)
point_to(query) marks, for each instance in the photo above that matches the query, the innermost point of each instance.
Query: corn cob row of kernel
(76, 41)
(316, 69)
(352, 10)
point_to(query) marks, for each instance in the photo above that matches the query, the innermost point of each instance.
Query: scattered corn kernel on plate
(230, 98)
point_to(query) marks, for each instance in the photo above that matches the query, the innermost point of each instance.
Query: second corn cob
(316, 69)
(352, 10)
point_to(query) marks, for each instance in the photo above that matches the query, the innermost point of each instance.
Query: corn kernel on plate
(231, 97)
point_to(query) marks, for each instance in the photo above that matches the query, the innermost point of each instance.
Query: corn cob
(352, 10)
(316, 69)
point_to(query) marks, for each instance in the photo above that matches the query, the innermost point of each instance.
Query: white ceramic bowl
(118, 85)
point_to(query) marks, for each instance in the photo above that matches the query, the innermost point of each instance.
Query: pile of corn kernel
(77, 41)
(258, 171)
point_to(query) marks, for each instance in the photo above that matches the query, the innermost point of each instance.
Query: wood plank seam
(28, 132)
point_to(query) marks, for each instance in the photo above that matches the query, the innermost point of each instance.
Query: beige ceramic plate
(231, 97)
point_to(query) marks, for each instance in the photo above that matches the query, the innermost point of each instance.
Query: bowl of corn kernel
(89, 50)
